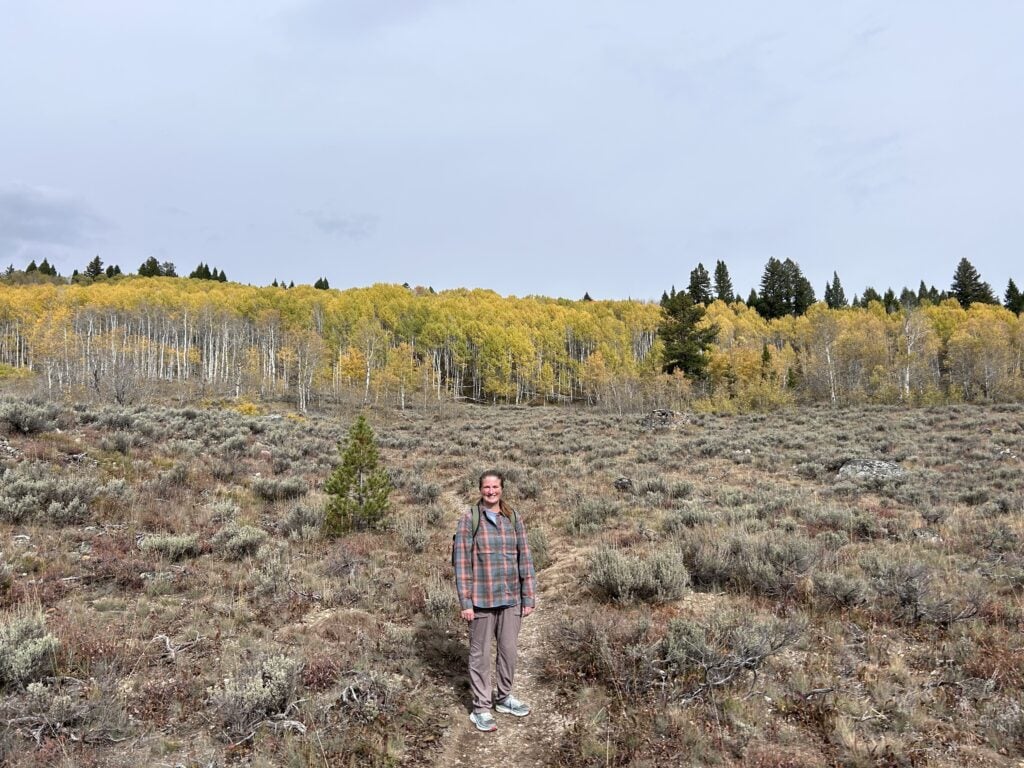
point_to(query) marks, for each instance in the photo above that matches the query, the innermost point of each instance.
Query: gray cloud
(34, 217)
(358, 227)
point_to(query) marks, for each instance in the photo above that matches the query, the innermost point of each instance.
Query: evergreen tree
(968, 287)
(908, 299)
(723, 283)
(774, 296)
(784, 290)
(150, 268)
(32, 267)
(890, 302)
(47, 269)
(113, 270)
(94, 268)
(274, 284)
(321, 284)
(1014, 300)
(167, 269)
(586, 296)
(835, 296)
(700, 285)
(359, 486)
(202, 272)
(870, 294)
(686, 345)
(223, 276)
(752, 298)
(803, 293)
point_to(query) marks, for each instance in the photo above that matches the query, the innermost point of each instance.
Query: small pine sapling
(359, 486)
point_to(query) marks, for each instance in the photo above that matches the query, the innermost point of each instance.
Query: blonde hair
(504, 508)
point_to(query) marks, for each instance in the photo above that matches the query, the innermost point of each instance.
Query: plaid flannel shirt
(495, 570)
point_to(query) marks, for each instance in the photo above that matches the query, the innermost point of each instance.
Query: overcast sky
(529, 147)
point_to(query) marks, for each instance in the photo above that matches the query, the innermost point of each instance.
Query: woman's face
(490, 490)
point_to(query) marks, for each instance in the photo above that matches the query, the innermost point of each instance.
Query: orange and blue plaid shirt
(495, 570)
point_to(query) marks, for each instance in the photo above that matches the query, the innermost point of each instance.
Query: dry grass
(736, 604)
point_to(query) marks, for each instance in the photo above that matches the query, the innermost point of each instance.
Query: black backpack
(476, 527)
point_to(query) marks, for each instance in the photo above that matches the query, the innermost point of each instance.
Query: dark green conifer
(723, 284)
(359, 486)
(686, 344)
(968, 287)
(700, 285)
(835, 296)
(1013, 299)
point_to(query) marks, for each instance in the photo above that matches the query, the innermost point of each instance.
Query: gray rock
(659, 418)
(870, 469)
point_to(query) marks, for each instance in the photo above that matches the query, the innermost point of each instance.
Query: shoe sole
(507, 711)
(494, 727)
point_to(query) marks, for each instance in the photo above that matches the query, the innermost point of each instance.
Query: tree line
(785, 291)
(123, 339)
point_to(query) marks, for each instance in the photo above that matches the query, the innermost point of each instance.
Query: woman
(496, 586)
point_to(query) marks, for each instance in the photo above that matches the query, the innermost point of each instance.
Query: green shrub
(538, 542)
(768, 564)
(253, 692)
(724, 650)
(272, 489)
(32, 491)
(441, 603)
(589, 514)
(27, 418)
(413, 532)
(658, 578)
(235, 541)
(26, 648)
(171, 546)
(302, 523)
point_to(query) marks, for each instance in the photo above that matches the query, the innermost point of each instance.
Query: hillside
(168, 599)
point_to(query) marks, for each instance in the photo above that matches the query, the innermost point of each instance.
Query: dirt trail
(527, 741)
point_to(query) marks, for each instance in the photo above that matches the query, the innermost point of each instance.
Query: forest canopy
(129, 338)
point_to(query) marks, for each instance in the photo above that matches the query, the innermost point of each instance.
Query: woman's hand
(467, 614)
(527, 610)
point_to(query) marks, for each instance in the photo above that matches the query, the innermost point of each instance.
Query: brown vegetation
(167, 597)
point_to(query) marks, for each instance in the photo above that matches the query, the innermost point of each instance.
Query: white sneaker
(512, 706)
(484, 721)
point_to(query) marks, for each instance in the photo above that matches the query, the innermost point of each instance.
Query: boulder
(659, 418)
(870, 469)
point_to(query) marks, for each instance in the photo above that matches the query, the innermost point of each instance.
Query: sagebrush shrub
(27, 418)
(32, 491)
(26, 648)
(658, 578)
(272, 489)
(725, 649)
(173, 547)
(253, 692)
(236, 541)
(589, 514)
(538, 542)
(302, 523)
(413, 531)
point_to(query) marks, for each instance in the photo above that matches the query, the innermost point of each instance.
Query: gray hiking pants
(503, 625)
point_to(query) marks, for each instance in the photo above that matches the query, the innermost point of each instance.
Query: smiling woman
(495, 581)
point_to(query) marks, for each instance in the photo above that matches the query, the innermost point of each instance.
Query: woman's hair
(504, 508)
